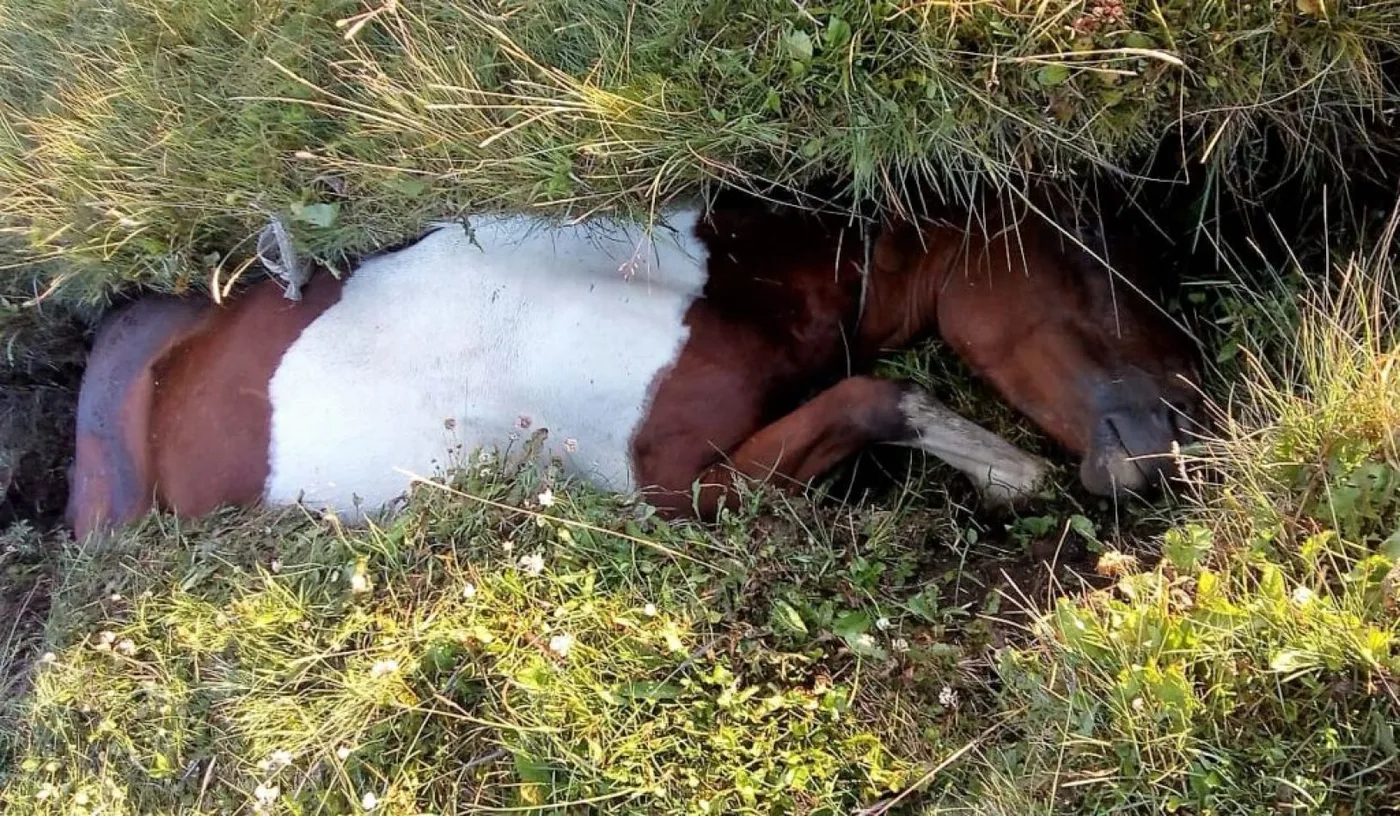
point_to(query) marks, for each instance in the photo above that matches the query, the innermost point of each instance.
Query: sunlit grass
(144, 143)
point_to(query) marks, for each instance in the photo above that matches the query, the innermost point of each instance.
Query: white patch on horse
(450, 344)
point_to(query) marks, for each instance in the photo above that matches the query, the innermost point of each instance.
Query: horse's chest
(453, 345)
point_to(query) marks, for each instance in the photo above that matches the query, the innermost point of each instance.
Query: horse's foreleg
(851, 415)
(1003, 473)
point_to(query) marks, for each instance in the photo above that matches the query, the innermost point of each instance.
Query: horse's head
(1080, 351)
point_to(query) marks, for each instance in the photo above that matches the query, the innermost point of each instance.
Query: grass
(516, 643)
(142, 143)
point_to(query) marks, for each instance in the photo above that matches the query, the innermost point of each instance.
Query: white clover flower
(266, 794)
(532, 564)
(369, 801)
(384, 667)
(561, 644)
(276, 761)
(126, 647)
(649, 610)
(342, 753)
(546, 498)
(359, 583)
(1302, 596)
(883, 624)
(948, 697)
(276, 565)
(469, 590)
(508, 547)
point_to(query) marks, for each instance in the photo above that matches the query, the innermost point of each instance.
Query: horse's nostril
(1181, 418)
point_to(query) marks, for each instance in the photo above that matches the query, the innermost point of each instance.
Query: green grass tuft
(143, 143)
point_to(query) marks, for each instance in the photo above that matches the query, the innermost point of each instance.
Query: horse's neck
(900, 305)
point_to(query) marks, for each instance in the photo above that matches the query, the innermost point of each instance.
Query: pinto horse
(670, 362)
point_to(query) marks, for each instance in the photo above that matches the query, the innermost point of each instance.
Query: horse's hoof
(1015, 481)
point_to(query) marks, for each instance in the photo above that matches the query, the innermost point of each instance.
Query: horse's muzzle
(1132, 450)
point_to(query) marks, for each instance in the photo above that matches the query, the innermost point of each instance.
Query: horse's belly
(451, 345)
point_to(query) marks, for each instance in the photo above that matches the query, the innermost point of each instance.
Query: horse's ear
(897, 246)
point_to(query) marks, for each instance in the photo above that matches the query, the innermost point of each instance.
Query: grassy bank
(143, 143)
(519, 644)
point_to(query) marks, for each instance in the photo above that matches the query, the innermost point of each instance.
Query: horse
(726, 343)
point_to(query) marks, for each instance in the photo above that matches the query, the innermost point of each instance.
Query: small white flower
(649, 610)
(82, 799)
(948, 697)
(342, 753)
(126, 647)
(115, 596)
(1302, 596)
(359, 583)
(561, 644)
(532, 564)
(883, 624)
(546, 498)
(865, 641)
(369, 801)
(508, 547)
(276, 565)
(384, 667)
(107, 637)
(266, 794)
(279, 759)
(900, 645)
(49, 657)
(48, 791)
(469, 590)
(147, 594)
(1138, 704)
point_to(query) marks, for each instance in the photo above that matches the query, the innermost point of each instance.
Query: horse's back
(475, 338)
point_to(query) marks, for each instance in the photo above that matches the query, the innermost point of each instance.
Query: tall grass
(1255, 668)
(143, 142)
